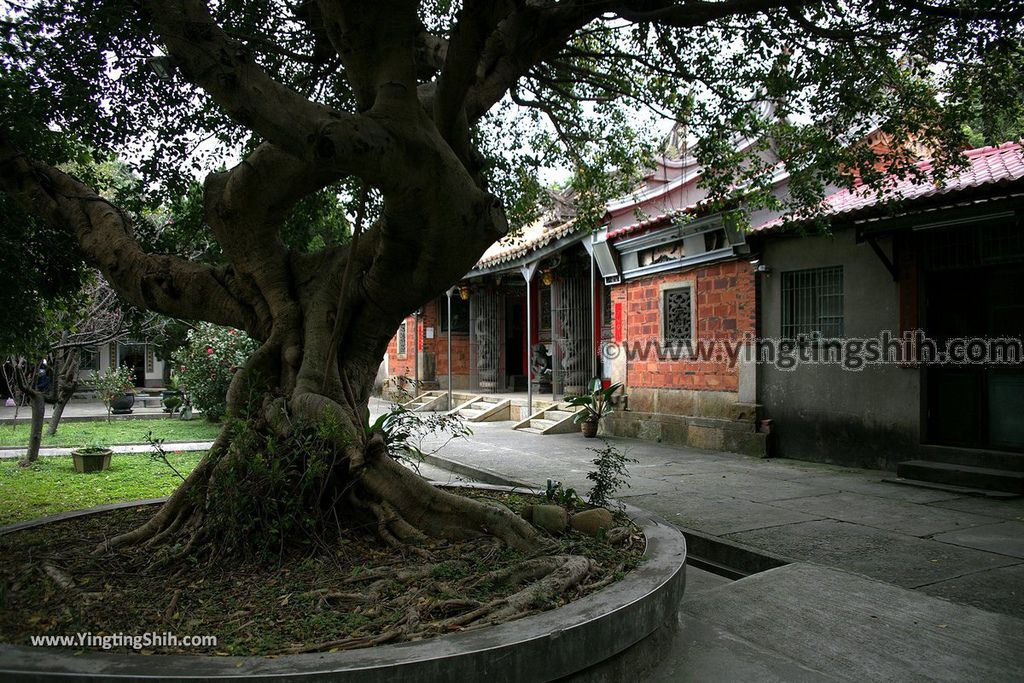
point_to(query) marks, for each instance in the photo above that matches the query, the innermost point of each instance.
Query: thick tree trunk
(35, 437)
(66, 379)
(310, 453)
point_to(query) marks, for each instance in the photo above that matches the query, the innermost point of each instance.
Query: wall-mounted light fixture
(760, 267)
(547, 276)
(464, 292)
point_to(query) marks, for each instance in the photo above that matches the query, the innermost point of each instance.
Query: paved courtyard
(969, 550)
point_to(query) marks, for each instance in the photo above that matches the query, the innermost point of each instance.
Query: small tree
(112, 383)
(209, 360)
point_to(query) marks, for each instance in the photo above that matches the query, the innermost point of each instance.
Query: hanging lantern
(464, 292)
(547, 276)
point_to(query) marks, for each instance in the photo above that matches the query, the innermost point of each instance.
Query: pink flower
(209, 350)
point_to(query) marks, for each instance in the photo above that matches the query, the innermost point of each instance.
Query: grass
(51, 485)
(114, 432)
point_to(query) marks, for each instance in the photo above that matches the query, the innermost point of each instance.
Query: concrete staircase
(554, 420)
(993, 473)
(484, 408)
(430, 401)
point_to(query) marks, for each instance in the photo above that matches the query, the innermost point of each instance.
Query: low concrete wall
(685, 430)
(553, 645)
(713, 420)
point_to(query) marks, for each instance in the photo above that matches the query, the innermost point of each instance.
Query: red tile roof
(996, 165)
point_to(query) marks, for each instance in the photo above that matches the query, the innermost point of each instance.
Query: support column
(528, 271)
(449, 293)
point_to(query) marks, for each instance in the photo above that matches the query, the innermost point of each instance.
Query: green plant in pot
(596, 405)
(91, 458)
(171, 396)
(116, 388)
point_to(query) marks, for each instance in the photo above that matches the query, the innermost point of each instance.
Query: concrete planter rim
(542, 647)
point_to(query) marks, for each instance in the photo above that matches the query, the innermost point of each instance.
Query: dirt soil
(349, 593)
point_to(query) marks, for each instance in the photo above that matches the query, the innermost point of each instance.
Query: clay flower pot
(589, 428)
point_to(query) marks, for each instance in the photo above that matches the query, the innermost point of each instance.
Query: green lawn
(114, 432)
(51, 485)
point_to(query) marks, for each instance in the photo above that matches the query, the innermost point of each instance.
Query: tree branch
(161, 283)
(223, 67)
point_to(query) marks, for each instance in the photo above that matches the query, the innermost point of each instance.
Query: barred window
(812, 303)
(677, 314)
(90, 359)
(400, 338)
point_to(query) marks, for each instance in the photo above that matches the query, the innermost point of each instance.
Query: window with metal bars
(677, 314)
(812, 303)
(401, 338)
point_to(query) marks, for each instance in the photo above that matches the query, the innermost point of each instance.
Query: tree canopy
(435, 119)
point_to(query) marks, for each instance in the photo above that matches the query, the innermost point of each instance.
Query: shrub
(112, 383)
(609, 474)
(208, 361)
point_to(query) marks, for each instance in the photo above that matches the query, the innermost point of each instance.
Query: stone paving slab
(883, 513)
(750, 487)
(717, 516)
(869, 483)
(997, 590)
(1003, 509)
(852, 628)
(1005, 538)
(703, 653)
(884, 555)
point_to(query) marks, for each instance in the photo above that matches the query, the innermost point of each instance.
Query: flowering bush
(207, 362)
(112, 384)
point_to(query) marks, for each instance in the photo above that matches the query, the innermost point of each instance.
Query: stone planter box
(572, 641)
(90, 460)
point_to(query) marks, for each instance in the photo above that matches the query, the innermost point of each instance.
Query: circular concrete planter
(542, 647)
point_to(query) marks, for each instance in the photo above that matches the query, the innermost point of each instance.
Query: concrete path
(10, 453)
(965, 549)
(804, 622)
(82, 410)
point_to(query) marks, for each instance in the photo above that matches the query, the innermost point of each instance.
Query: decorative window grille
(401, 338)
(812, 303)
(677, 314)
(572, 334)
(484, 334)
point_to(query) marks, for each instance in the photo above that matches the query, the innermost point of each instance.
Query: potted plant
(595, 405)
(91, 458)
(116, 388)
(171, 396)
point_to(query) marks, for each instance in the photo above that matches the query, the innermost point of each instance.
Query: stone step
(529, 429)
(975, 457)
(962, 475)
(556, 414)
(469, 413)
(951, 488)
(481, 406)
(538, 423)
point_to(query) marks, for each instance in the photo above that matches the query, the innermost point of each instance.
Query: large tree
(434, 117)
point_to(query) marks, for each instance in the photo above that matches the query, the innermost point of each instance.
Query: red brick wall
(437, 346)
(725, 309)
